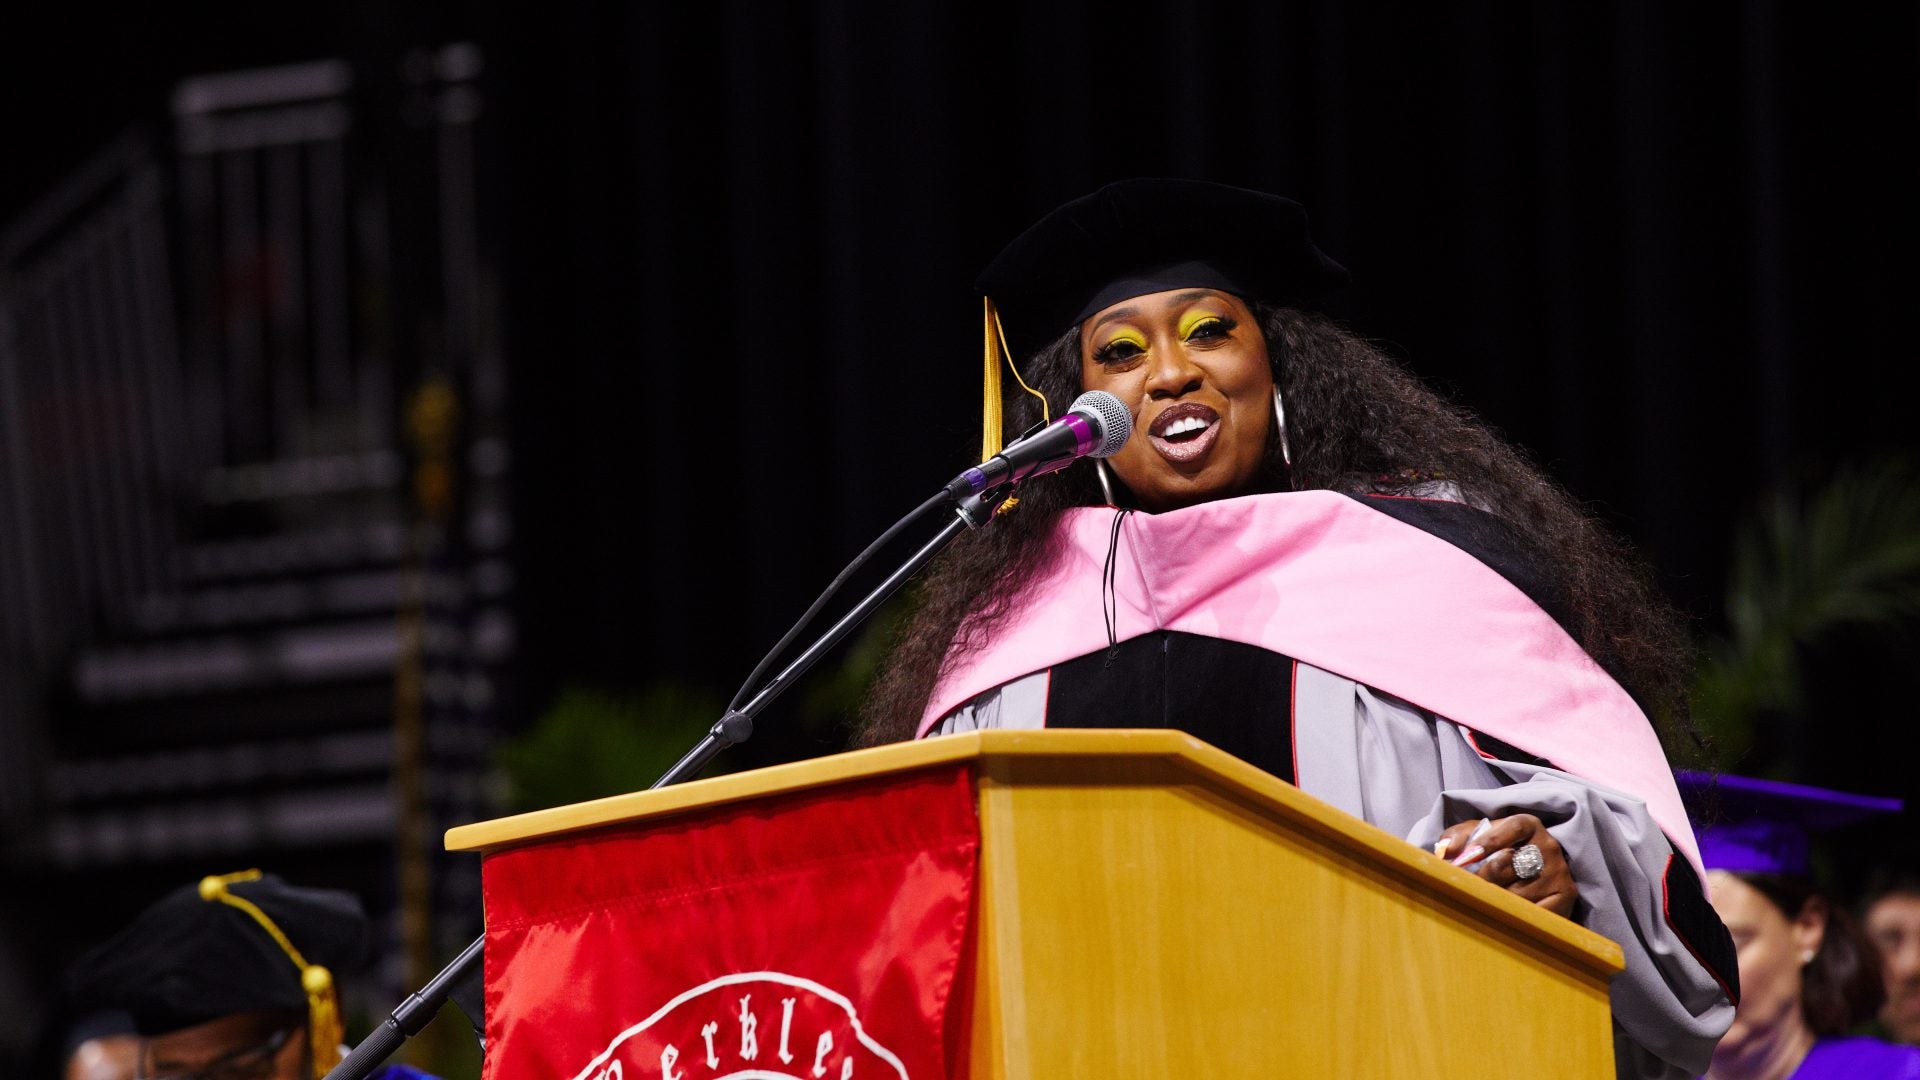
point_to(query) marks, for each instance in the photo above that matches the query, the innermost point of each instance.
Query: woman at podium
(1308, 559)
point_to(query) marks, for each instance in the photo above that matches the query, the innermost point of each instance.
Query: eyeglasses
(252, 1063)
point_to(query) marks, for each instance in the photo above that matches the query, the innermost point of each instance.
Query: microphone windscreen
(1109, 417)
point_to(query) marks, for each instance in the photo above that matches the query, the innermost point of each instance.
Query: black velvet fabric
(1251, 243)
(1693, 918)
(1236, 697)
(186, 960)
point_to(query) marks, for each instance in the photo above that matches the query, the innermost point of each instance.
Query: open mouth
(1184, 432)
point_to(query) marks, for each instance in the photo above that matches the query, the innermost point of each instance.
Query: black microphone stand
(733, 728)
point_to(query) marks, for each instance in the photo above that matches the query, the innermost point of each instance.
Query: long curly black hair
(1357, 423)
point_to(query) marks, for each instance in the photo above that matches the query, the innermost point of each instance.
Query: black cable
(747, 688)
(1109, 588)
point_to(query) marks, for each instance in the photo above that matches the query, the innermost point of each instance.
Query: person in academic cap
(1308, 559)
(1807, 974)
(232, 978)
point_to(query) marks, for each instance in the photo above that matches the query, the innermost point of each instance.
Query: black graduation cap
(1134, 237)
(237, 943)
(1749, 825)
(1131, 238)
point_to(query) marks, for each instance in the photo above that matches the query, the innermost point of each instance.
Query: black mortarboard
(237, 943)
(1147, 235)
(1748, 825)
(1134, 237)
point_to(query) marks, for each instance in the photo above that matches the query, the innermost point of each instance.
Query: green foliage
(1812, 560)
(591, 743)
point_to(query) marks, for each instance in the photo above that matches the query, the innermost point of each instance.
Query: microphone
(1097, 425)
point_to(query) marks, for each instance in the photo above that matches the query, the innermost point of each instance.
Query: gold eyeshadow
(1194, 320)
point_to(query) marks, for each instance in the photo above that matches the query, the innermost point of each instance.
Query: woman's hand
(1552, 888)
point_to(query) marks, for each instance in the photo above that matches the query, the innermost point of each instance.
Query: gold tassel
(325, 1032)
(324, 1028)
(992, 438)
(992, 435)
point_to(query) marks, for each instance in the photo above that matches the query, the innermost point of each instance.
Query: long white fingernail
(1473, 852)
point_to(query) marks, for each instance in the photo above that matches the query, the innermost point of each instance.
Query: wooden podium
(1151, 906)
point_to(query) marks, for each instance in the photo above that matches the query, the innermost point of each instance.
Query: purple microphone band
(1083, 434)
(975, 479)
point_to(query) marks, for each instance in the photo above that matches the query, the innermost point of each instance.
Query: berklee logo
(760, 1024)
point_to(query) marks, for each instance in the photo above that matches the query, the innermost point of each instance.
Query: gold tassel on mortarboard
(994, 346)
(324, 1030)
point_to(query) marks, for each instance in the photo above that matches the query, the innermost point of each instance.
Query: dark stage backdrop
(1666, 247)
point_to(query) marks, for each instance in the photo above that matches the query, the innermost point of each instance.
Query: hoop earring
(1280, 418)
(1106, 483)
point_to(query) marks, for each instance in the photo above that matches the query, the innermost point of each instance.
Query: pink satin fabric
(1321, 578)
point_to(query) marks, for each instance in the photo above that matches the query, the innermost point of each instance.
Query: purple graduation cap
(1747, 825)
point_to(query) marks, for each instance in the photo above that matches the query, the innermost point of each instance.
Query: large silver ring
(1527, 862)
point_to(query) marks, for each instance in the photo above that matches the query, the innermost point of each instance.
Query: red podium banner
(812, 937)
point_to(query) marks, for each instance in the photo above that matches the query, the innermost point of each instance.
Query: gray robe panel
(1413, 774)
